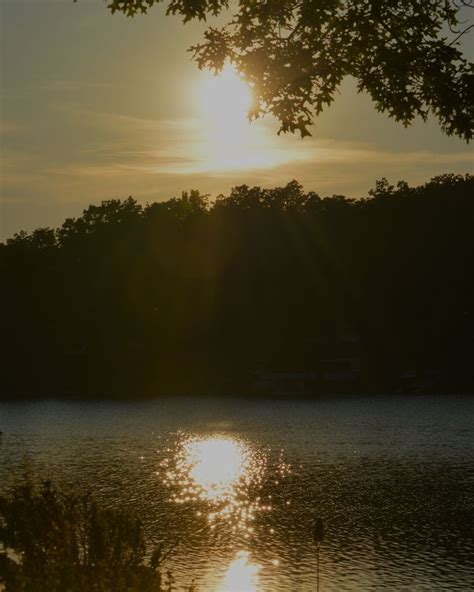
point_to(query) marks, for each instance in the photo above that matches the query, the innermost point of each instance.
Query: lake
(235, 485)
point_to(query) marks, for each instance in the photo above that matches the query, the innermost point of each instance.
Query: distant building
(329, 362)
(340, 359)
(277, 382)
(340, 369)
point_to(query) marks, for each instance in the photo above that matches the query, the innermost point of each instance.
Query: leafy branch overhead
(406, 54)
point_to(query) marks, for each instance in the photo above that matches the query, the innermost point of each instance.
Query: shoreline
(102, 398)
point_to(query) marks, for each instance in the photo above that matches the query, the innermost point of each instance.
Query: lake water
(236, 485)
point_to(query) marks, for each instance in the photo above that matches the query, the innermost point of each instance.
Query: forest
(194, 295)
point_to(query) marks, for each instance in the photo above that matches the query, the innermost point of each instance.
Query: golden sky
(95, 106)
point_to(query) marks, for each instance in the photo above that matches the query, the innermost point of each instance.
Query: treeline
(193, 296)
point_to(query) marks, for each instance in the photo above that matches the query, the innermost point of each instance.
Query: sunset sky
(95, 106)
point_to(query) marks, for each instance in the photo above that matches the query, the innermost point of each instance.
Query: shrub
(56, 541)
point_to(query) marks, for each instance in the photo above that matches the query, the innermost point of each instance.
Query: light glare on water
(234, 486)
(216, 466)
(223, 472)
(241, 575)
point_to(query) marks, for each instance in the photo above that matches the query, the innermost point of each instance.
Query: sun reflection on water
(227, 483)
(242, 575)
(217, 466)
(223, 473)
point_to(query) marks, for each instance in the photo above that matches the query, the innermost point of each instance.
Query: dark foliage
(404, 53)
(63, 542)
(184, 296)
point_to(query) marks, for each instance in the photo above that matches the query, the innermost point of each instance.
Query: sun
(225, 98)
(224, 102)
(231, 141)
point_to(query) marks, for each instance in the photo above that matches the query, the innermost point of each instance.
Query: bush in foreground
(63, 542)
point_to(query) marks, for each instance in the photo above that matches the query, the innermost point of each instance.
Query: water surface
(235, 485)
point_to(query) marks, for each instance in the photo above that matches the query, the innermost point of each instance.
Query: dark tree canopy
(53, 541)
(295, 53)
(194, 296)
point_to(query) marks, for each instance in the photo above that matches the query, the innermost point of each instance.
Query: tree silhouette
(295, 53)
(191, 296)
(55, 540)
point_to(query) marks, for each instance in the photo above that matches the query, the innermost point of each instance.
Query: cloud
(10, 127)
(56, 87)
(123, 144)
(79, 156)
